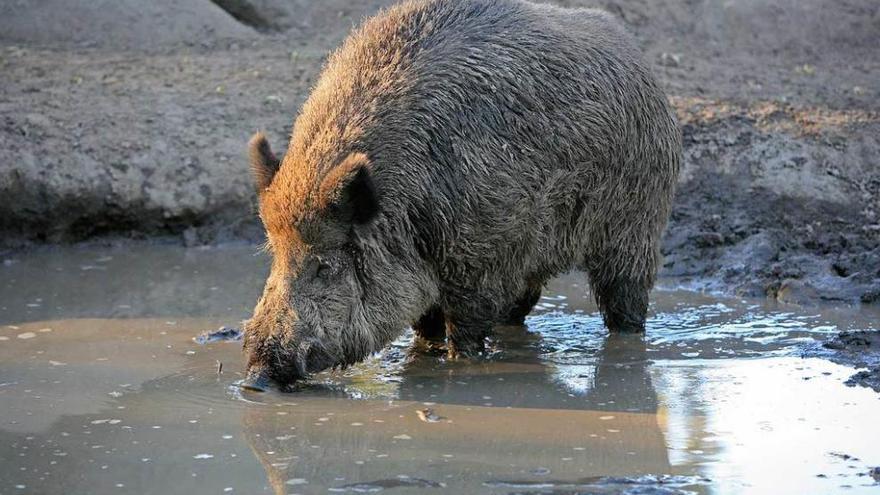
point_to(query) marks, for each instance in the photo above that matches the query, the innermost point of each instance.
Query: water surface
(102, 390)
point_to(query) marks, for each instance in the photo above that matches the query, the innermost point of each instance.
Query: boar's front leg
(466, 336)
(463, 337)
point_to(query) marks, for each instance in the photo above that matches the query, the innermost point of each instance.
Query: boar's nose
(257, 379)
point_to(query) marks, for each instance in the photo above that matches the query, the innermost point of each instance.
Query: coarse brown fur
(453, 157)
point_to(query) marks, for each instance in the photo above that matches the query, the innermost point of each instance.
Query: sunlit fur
(505, 142)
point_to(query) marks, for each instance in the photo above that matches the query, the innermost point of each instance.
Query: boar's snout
(263, 377)
(273, 363)
(279, 363)
(257, 379)
(273, 345)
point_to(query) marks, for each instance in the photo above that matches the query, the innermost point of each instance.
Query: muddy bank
(778, 201)
(108, 130)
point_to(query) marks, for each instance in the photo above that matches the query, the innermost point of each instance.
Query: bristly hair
(264, 247)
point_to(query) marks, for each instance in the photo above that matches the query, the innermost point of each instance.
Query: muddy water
(102, 390)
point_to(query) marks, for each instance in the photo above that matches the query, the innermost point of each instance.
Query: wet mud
(860, 349)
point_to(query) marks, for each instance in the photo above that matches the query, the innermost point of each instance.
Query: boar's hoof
(429, 347)
(468, 348)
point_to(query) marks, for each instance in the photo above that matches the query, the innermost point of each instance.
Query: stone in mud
(428, 415)
(708, 239)
(796, 291)
(858, 341)
(222, 334)
(453, 157)
(871, 296)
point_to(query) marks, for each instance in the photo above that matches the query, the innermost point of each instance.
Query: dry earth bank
(129, 118)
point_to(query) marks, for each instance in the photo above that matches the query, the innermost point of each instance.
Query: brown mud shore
(129, 120)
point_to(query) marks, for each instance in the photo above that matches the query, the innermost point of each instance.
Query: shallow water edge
(103, 390)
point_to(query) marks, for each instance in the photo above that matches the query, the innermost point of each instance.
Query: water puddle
(103, 390)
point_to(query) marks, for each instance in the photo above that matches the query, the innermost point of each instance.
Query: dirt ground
(129, 119)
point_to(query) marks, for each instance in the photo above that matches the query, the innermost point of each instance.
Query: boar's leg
(522, 307)
(431, 327)
(466, 337)
(622, 298)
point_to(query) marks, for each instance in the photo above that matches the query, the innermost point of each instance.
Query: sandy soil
(129, 118)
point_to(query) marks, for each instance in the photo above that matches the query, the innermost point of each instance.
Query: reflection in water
(504, 418)
(631, 485)
(103, 391)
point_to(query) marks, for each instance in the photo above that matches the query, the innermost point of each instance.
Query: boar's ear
(263, 161)
(348, 191)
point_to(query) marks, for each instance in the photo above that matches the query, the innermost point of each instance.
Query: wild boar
(453, 156)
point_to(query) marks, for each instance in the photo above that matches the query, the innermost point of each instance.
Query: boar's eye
(325, 270)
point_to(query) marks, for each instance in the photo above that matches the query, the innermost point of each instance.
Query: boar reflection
(540, 421)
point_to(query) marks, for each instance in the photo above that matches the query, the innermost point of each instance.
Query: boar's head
(337, 291)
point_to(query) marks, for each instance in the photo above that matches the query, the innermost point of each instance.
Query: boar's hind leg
(523, 306)
(431, 326)
(621, 294)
